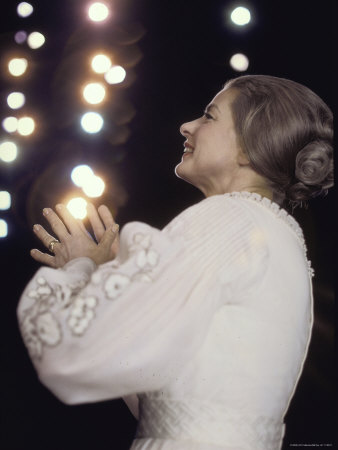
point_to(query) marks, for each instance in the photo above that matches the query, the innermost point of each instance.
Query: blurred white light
(94, 93)
(26, 126)
(36, 40)
(80, 174)
(3, 228)
(5, 200)
(24, 9)
(239, 62)
(115, 75)
(92, 122)
(101, 63)
(94, 186)
(77, 207)
(240, 16)
(20, 37)
(98, 12)
(17, 66)
(8, 151)
(16, 100)
(10, 124)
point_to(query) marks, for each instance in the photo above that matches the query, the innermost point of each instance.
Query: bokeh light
(17, 66)
(10, 124)
(36, 40)
(239, 62)
(92, 122)
(115, 75)
(101, 63)
(8, 151)
(94, 93)
(80, 174)
(5, 200)
(98, 12)
(94, 186)
(3, 228)
(77, 207)
(16, 100)
(240, 16)
(26, 126)
(20, 37)
(24, 9)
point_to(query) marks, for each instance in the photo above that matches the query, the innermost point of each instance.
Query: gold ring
(52, 244)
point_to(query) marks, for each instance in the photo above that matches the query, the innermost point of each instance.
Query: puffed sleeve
(129, 326)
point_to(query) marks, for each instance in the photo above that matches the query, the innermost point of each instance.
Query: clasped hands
(72, 240)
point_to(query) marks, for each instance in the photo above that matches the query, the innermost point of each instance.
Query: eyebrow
(212, 105)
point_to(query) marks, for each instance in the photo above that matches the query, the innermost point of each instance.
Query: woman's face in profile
(213, 158)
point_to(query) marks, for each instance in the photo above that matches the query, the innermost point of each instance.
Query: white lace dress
(208, 321)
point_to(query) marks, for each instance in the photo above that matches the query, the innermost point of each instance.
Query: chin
(180, 173)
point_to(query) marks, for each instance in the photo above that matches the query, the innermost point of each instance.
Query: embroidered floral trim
(38, 325)
(145, 260)
(280, 213)
(81, 314)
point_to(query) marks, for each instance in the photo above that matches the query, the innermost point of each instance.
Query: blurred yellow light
(80, 174)
(77, 207)
(92, 122)
(36, 40)
(24, 9)
(5, 200)
(17, 66)
(101, 63)
(98, 12)
(240, 16)
(8, 151)
(26, 126)
(115, 75)
(239, 62)
(94, 93)
(3, 228)
(16, 100)
(94, 186)
(10, 124)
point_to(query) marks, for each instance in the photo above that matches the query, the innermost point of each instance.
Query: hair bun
(313, 171)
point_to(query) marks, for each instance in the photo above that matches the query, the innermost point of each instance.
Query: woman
(203, 327)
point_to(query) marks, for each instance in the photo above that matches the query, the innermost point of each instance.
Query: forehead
(224, 98)
(222, 102)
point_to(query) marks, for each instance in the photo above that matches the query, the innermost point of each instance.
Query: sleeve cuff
(84, 265)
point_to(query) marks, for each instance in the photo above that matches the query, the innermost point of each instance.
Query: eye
(207, 115)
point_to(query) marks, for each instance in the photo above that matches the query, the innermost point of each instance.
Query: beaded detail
(280, 213)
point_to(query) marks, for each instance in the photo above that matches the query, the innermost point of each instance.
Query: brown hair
(286, 131)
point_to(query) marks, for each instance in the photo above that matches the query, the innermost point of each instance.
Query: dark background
(176, 54)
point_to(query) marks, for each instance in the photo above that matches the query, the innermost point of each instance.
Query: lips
(188, 148)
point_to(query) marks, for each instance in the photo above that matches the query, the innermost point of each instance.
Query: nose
(187, 128)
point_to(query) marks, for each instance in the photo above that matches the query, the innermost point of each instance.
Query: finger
(56, 223)
(84, 229)
(42, 234)
(68, 219)
(95, 221)
(109, 237)
(43, 258)
(106, 216)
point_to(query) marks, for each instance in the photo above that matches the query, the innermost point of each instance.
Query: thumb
(109, 236)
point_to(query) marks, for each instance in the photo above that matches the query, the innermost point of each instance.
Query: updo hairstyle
(286, 131)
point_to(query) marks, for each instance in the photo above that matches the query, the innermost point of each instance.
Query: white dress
(208, 321)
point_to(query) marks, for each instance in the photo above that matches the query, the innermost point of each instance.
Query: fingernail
(36, 227)
(46, 211)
